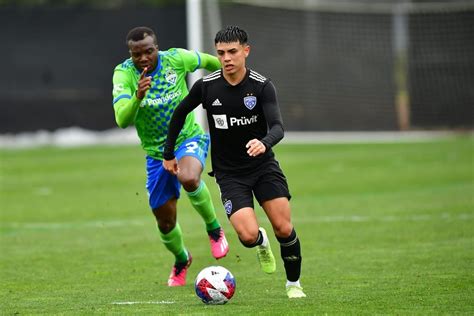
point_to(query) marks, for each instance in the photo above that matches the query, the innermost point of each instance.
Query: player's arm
(193, 60)
(209, 62)
(126, 110)
(187, 105)
(126, 105)
(271, 109)
(275, 123)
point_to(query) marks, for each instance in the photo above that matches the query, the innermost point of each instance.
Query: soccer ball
(215, 285)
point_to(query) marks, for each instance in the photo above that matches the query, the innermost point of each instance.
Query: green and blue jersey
(151, 115)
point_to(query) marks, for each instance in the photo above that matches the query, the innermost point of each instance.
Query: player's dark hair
(139, 33)
(231, 34)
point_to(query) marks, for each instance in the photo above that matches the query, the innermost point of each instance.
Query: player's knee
(166, 225)
(248, 240)
(283, 229)
(190, 181)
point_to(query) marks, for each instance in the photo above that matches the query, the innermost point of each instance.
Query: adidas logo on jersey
(216, 103)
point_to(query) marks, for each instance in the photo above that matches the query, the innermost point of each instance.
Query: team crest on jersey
(228, 206)
(250, 102)
(171, 76)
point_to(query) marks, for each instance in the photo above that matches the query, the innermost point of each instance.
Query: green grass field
(384, 228)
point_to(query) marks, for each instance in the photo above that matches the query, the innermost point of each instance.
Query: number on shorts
(191, 147)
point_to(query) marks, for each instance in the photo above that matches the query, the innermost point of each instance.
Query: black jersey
(236, 115)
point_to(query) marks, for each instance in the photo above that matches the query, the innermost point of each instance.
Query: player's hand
(144, 83)
(171, 166)
(255, 148)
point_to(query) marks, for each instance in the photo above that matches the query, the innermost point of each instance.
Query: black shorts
(266, 183)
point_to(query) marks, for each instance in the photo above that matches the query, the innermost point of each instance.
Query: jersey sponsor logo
(118, 87)
(220, 121)
(250, 102)
(243, 120)
(216, 103)
(228, 206)
(167, 98)
(170, 76)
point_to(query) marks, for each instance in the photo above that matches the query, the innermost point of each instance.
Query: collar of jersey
(247, 73)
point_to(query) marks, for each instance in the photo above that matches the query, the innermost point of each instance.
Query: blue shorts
(162, 185)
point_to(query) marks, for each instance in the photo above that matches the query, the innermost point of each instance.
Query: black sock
(215, 233)
(256, 243)
(291, 254)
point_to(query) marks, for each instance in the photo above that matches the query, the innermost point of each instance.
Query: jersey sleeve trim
(199, 61)
(123, 96)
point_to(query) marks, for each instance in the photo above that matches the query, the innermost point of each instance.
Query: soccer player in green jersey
(147, 87)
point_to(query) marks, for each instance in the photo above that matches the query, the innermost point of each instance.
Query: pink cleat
(219, 246)
(178, 273)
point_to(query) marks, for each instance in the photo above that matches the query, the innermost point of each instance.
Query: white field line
(144, 302)
(75, 137)
(316, 219)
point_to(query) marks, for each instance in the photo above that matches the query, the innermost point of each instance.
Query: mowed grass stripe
(313, 219)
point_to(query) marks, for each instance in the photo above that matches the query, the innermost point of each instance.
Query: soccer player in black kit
(245, 123)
